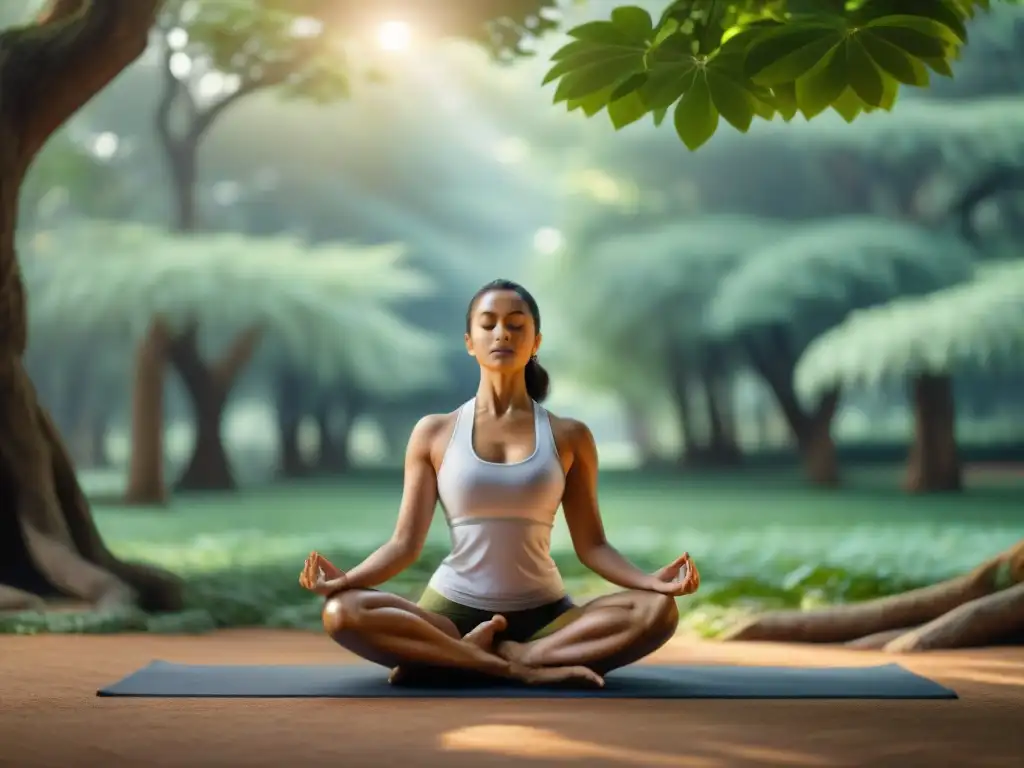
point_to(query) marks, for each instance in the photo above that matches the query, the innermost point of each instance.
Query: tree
(51, 69)
(643, 312)
(746, 60)
(782, 297)
(325, 309)
(976, 326)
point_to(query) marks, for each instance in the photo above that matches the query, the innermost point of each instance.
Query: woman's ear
(469, 345)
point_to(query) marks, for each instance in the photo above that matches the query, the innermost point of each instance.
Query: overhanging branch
(58, 64)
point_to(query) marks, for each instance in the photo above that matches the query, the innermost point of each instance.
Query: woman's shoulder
(433, 432)
(569, 432)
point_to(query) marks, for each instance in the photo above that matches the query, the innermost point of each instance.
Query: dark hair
(538, 383)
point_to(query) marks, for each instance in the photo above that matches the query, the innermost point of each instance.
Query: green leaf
(894, 61)
(862, 74)
(696, 117)
(945, 12)
(733, 102)
(918, 37)
(665, 85)
(816, 90)
(848, 105)
(626, 109)
(784, 99)
(572, 49)
(595, 77)
(787, 54)
(659, 115)
(629, 85)
(939, 66)
(604, 32)
(592, 103)
(590, 55)
(635, 23)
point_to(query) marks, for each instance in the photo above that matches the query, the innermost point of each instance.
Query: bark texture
(50, 544)
(983, 607)
(934, 464)
(208, 386)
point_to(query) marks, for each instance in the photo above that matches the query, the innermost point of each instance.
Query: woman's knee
(661, 612)
(342, 611)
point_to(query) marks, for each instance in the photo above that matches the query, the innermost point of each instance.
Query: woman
(500, 466)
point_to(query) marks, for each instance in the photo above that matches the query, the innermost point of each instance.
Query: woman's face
(502, 333)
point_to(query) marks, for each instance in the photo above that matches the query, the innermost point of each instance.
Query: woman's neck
(499, 394)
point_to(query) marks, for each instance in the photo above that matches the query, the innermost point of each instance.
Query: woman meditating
(501, 465)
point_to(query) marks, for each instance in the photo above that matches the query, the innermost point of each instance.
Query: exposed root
(979, 608)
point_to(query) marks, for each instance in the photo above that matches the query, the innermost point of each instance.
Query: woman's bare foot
(482, 636)
(513, 652)
(555, 675)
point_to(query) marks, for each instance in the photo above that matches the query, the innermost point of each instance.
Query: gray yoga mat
(642, 681)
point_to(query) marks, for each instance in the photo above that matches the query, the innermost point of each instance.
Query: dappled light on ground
(50, 684)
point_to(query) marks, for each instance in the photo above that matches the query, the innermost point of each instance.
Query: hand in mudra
(678, 578)
(321, 576)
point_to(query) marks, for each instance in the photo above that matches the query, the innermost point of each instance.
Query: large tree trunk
(336, 417)
(48, 72)
(209, 387)
(984, 607)
(933, 464)
(639, 431)
(146, 483)
(812, 430)
(722, 448)
(681, 391)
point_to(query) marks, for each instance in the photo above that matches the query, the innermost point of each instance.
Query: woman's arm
(419, 498)
(579, 504)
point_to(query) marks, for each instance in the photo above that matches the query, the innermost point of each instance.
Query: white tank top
(500, 517)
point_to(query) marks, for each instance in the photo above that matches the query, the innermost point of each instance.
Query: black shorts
(523, 626)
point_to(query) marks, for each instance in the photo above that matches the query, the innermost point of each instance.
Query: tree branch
(237, 357)
(57, 65)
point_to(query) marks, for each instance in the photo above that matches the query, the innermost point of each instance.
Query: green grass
(761, 540)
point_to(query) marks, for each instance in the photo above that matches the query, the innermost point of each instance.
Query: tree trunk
(722, 448)
(983, 607)
(639, 431)
(933, 464)
(288, 404)
(49, 71)
(812, 431)
(679, 386)
(146, 484)
(209, 387)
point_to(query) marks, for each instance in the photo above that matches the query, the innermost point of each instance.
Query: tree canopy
(330, 308)
(809, 281)
(975, 326)
(738, 61)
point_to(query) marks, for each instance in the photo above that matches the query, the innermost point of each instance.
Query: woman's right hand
(321, 576)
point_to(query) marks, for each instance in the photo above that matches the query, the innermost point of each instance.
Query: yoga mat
(641, 681)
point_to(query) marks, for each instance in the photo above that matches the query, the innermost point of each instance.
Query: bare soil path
(50, 716)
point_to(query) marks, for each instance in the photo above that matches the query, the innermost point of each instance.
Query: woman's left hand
(678, 578)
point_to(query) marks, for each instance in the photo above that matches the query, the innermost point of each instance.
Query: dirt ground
(50, 716)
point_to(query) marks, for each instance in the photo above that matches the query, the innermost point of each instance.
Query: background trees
(922, 341)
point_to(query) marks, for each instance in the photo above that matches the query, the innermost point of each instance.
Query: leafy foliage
(810, 281)
(646, 291)
(328, 307)
(305, 46)
(739, 61)
(978, 325)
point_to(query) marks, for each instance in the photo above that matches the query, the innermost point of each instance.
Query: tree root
(57, 530)
(983, 607)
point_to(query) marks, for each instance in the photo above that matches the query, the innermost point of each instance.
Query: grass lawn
(761, 540)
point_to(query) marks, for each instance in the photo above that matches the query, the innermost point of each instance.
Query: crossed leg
(392, 631)
(606, 633)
